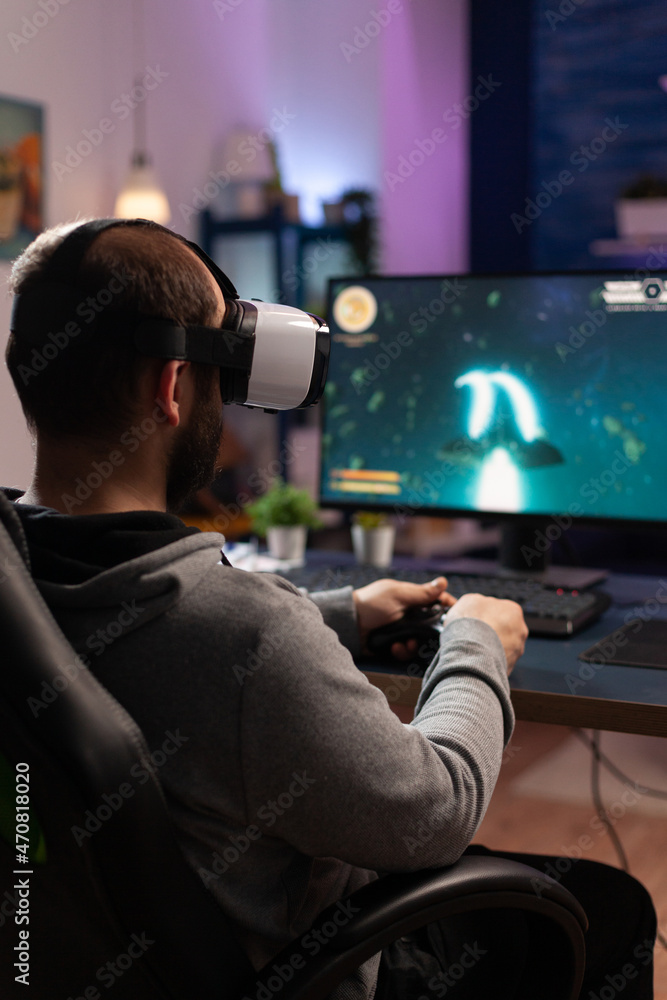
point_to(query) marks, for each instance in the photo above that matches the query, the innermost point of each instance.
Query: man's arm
(352, 614)
(376, 793)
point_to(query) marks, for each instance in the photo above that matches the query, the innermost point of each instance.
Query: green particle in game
(339, 410)
(355, 462)
(493, 299)
(375, 402)
(633, 446)
(358, 378)
(347, 428)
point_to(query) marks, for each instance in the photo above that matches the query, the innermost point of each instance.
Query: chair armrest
(352, 931)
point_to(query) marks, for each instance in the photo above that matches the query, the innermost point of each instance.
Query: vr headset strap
(203, 344)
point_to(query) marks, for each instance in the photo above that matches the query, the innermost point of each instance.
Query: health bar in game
(365, 481)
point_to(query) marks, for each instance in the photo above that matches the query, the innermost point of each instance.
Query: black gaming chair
(123, 910)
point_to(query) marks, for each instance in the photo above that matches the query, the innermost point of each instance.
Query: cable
(616, 771)
(593, 744)
(599, 806)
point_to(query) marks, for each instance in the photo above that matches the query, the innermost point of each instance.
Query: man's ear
(170, 390)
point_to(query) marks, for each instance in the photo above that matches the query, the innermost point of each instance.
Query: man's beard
(192, 463)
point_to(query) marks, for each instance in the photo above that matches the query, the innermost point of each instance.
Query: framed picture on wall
(21, 174)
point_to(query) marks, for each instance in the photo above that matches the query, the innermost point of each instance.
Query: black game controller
(421, 623)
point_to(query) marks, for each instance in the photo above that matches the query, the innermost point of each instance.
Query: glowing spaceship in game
(502, 418)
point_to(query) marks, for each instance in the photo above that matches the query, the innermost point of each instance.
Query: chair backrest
(114, 903)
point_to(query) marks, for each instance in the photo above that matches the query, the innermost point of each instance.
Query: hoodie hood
(72, 549)
(104, 575)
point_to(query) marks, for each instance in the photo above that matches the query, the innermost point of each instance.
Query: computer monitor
(534, 399)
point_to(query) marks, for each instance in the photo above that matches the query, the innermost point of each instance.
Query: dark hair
(88, 389)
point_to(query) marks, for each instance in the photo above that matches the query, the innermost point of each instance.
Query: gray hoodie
(290, 781)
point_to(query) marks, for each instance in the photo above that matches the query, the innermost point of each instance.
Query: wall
(567, 70)
(331, 87)
(613, 52)
(71, 87)
(360, 96)
(425, 130)
(80, 65)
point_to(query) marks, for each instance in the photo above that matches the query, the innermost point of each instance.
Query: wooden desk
(549, 684)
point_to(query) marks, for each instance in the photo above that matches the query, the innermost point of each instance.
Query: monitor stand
(525, 550)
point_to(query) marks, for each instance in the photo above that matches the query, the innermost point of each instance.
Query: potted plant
(373, 538)
(641, 210)
(358, 211)
(274, 194)
(283, 515)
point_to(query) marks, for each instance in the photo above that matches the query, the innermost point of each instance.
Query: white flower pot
(287, 542)
(641, 216)
(373, 546)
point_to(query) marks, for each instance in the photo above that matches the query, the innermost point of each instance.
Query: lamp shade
(141, 196)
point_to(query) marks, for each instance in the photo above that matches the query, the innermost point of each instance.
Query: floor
(519, 822)
(530, 810)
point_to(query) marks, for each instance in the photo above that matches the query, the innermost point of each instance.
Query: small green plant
(369, 519)
(359, 219)
(283, 505)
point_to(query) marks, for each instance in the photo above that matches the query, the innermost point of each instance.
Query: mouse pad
(637, 644)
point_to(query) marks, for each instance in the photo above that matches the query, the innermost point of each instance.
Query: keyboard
(549, 610)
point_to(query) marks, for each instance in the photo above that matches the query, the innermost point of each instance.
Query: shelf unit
(290, 241)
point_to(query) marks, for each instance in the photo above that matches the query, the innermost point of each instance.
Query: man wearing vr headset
(290, 781)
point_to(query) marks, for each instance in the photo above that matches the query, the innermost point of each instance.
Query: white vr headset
(270, 356)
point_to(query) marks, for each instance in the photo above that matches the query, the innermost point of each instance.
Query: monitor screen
(533, 395)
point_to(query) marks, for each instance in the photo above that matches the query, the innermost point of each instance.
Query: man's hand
(505, 617)
(387, 600)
